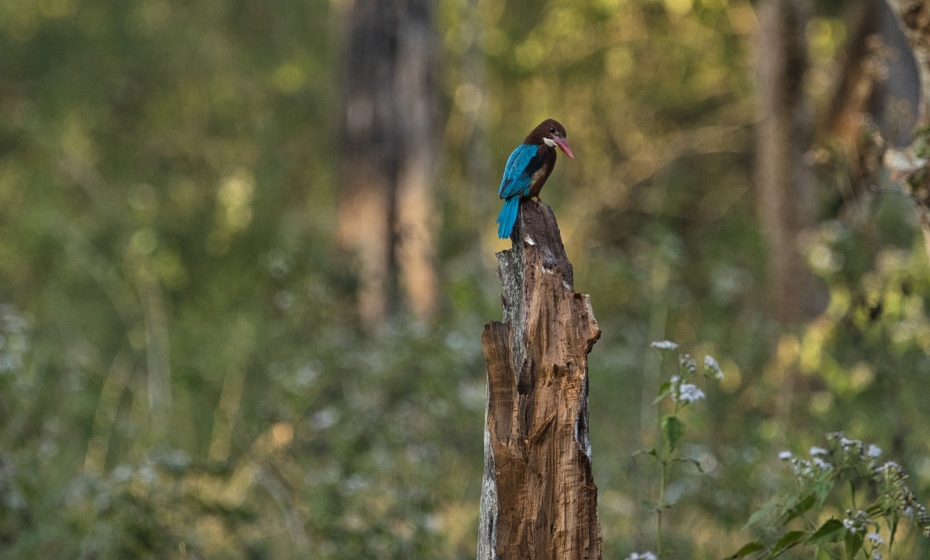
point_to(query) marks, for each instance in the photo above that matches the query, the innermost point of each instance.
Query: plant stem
(661, 505)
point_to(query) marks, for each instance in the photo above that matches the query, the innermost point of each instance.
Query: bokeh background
(247, 251)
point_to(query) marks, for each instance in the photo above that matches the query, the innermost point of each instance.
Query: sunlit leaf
(748, 549)
(803, 504)
(831, 531)
(788, 540)
(763, 512)
(853, 543)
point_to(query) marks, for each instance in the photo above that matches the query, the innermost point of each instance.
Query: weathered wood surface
(539, 500)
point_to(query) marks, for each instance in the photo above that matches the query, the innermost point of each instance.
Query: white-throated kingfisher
(527, 169)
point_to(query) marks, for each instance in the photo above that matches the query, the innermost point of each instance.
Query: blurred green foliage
(181, 372)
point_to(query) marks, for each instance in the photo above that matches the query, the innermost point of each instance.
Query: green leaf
(688, 460)
(824, 485)
(649, 451)
(673, 429)
(788, 540)
(764, 511)
(803, 505)
(892, 529)
(853, 542)
(831, 531)
(789, 503)
(663, 392)
(747, 549)
(922, 131)
(921, 148)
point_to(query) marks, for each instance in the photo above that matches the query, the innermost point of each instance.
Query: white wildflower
(824, 466)
(875, 538)
(876, 555)
(817, 451)
(664, 345)
(874, 451)
(857, 522)
(890, 465)
(641, 556)
(785, 455)
(712, 368)
(849, 444)
(687, 362)
(689, 393)
(802, 467)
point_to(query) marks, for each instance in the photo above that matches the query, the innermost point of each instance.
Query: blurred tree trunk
(913, 16)
(386, 208)
(784, 180)
(538, 498)
(853, 95)
(914, 19)
(878, 92)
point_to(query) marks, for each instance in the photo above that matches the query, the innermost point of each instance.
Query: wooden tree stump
(538, 499)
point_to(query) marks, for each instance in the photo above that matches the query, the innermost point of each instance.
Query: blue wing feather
(518, 174)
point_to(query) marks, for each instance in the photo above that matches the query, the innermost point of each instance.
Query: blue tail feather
(508, 217)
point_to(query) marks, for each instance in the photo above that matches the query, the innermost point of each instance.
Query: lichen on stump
(538, 500)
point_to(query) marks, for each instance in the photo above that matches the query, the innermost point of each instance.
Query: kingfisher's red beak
(563, 145)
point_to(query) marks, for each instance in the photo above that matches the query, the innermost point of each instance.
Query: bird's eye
(551, 129)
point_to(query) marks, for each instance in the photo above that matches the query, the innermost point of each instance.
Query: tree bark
(538, 500)
(783, 134)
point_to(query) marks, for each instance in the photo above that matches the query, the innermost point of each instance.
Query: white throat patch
(549, 141)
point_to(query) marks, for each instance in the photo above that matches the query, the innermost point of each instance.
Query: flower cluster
(808, 468)
(685, 393)
(811, 468)
(856, 522)
(712, 368)
(688, 364)
(898, 497)
(856, 460)
(664, 345)
(859, 461)
(641, 556)
(689, 393)
(682, 392)
(855, 447)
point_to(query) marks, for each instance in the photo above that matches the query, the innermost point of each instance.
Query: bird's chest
(538, 178)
